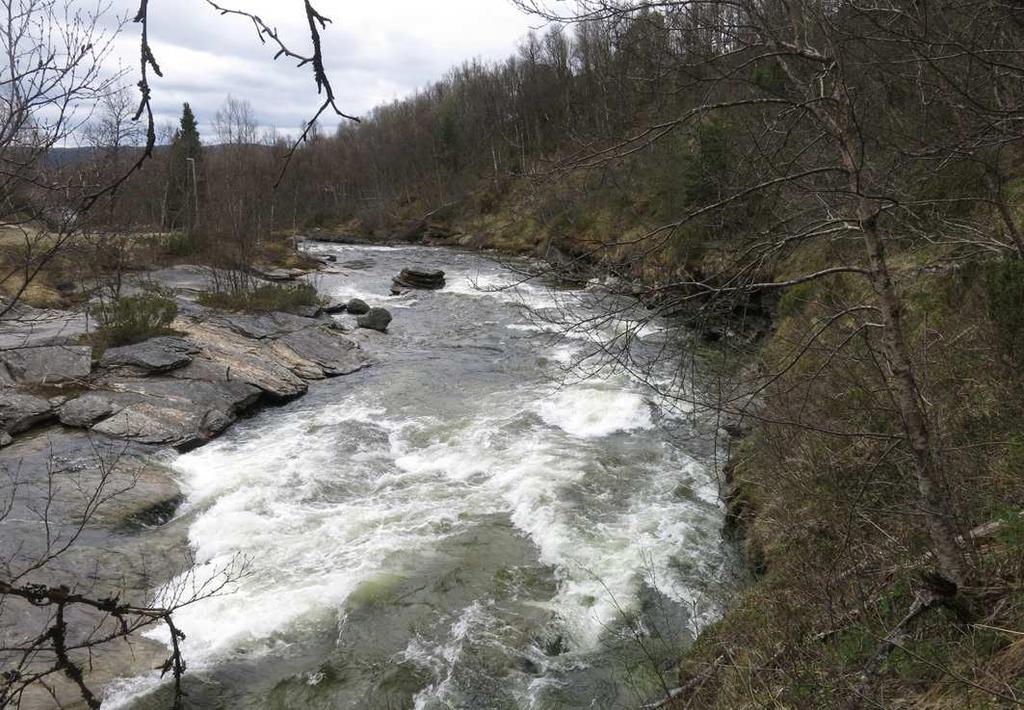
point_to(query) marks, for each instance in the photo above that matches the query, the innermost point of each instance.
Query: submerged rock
(375, 319)
(357, 307)
(431, 279)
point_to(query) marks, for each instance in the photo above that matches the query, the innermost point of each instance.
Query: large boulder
(47, 364)
(19, 412)
(152, 356)
(357, 306)
(375, 319)
(420, 278)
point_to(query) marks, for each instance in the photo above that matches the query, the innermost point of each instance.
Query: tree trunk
(934, 504)
(1005, 213)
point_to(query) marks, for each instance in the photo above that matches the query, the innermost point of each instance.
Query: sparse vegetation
(262, 297)
(132, 319)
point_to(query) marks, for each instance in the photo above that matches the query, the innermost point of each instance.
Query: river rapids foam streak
(449, 528)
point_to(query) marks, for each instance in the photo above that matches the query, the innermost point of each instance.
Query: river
(456, 526)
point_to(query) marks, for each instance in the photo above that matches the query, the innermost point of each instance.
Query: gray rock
(47, 363)
(334, 307)
(152, 356)
(157, 410)
(277, 275)
(357, 307)
(230, 356)
(182, 277)
(85, 411)
(307, 311)
(375, 319)
(5, 439)
(272, 378)
(413, 277)
(19, 412)
(25, 327)
(150, 424)
(229, 395)
(262, 325)
(332, 352)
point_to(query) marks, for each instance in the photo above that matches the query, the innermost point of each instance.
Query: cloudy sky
(376, 51)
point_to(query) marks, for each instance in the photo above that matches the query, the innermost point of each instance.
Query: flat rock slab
(280, 274)
(160, 410)
(333, 353)
(151, 424)
(25, 326)
(227, 355)
(183, 277)
(152, 356)
(262, 325)
(47, 364)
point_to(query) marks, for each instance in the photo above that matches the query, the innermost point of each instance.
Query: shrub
(1005, 290)
(132, 319)
(262, 298)
(184, 244)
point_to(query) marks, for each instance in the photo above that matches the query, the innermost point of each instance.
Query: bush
(1005, 290)
(132, 319)
(184, 244)
(263, 298)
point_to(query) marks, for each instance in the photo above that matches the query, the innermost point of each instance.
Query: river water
(457, 526)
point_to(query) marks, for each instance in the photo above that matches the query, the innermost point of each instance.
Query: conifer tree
(185, 175)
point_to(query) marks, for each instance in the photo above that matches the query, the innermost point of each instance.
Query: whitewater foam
(324, 499)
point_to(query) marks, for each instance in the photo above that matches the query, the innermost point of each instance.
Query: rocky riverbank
(84, 435)
(173, 390)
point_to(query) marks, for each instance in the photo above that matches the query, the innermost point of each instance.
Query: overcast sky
(376, 51)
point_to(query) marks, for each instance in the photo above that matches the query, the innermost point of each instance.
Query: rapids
(454, 527)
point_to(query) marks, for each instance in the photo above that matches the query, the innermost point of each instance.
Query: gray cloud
(375, 52)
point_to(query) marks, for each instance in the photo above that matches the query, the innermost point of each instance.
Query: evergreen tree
(185, 175)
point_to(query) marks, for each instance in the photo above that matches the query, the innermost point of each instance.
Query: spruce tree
(185, 175)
